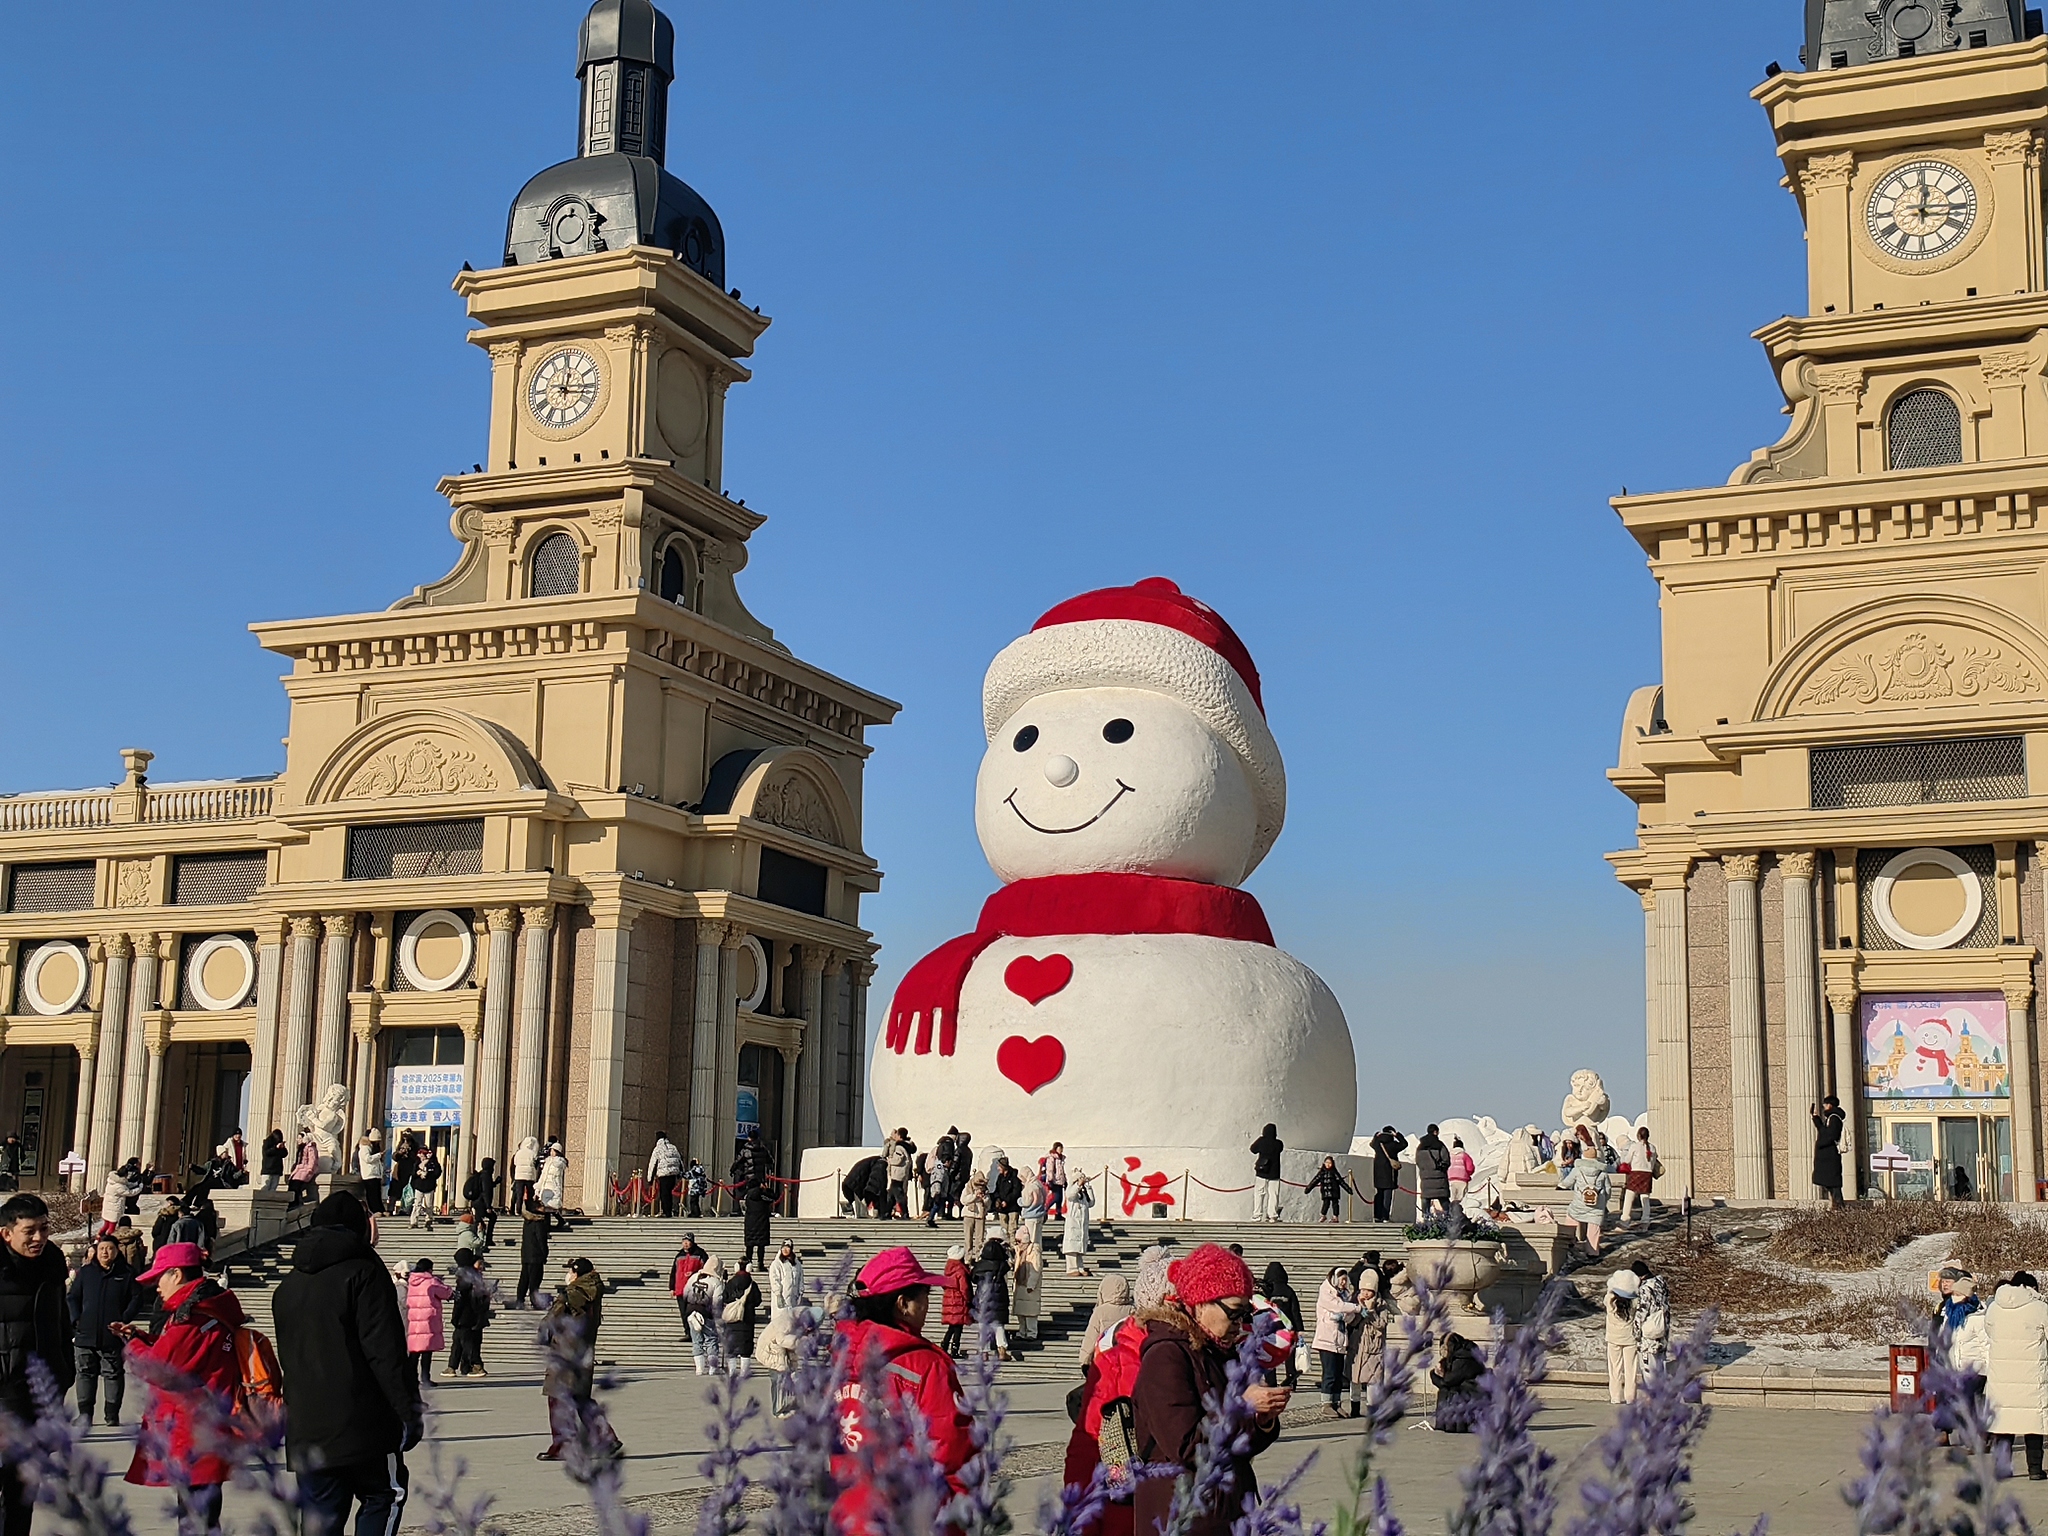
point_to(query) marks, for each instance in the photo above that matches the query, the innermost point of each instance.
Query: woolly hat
(1149, 1289)
(1624, 1282)
(1152, 636)
(957, 1251)
(1209, 1274)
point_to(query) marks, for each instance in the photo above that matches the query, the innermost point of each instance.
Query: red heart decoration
(1031, 1064)
(1036, 980)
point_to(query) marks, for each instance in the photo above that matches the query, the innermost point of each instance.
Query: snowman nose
(1061, 771)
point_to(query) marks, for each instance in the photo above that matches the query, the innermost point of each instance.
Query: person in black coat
(533, 1248)
(1266, 1174)
(963, 1169)
(759, 1203)
(1387, 1148)
(270, 1161)
(351, 1391)
(989, 1285)
(742, 1294)
(1458, 1398)
(1277, 1289)
(1006, 1197)
(1828, 1123)
(35, 1324)
(104, 1292)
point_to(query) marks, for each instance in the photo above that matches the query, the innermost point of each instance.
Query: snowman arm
(930, 993)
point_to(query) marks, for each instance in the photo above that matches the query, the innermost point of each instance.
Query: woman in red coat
(193, 1376)
(953, 1311)
(891, 1301)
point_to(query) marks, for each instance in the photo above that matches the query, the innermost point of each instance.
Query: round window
(221, 972)
(435, 951)
(1927, 898)
(55, 978)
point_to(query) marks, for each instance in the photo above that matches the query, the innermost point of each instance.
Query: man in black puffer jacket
(351, 1398)
(35, 1323)
(104, 1293)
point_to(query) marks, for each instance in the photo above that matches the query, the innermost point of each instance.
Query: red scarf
(1940, 1058)
(1055, 905)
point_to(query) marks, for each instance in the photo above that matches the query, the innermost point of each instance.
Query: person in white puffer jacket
(785, 1281)
(525, 1169)
(2016, 1340)
(665, 1171)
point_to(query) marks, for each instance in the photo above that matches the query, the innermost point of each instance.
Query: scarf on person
(1053, 906)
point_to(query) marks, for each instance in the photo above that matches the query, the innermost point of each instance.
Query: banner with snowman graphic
(1935, 1046)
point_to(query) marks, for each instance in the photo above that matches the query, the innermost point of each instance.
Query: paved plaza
(1789, 1464)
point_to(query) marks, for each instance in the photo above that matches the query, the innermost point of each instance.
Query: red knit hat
(1149, 635)
(1210, 1273)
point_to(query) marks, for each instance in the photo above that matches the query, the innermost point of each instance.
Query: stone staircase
(642, 1328)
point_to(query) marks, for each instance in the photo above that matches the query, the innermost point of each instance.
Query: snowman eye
(1026, 738)
(1118, 731)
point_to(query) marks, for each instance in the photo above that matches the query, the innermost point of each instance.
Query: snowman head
(1126, 733)
(1936, 1035)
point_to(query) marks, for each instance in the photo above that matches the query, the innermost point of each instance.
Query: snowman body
(1121, 997)
(1923, 1071)
(1148, 1041)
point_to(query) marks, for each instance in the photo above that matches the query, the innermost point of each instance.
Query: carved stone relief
(422, 767)
(1918, 666)
(792, 801)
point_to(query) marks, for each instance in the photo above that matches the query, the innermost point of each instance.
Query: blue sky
(1348, 323)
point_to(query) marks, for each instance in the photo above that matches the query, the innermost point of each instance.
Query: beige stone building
(565, 842)
(1842, 778)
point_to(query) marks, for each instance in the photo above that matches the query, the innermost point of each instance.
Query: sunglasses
(1239, 1314)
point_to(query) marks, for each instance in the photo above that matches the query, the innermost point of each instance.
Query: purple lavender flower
(1225, 1437)
(1646, 1453)
(1963, 1411)
(449, 1511)
(1507, 1490)
(56, 1468)
(977, 1510)
(725, 1467)
(1387, 1401)
(802, 1481)
(894, 1454)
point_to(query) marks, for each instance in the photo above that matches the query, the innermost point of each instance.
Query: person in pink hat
(891, 1300)
(1189, 1343)
(195, 1348)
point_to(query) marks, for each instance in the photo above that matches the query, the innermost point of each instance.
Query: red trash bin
(1909, 1366)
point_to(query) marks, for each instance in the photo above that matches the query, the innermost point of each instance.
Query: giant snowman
(1121, 994)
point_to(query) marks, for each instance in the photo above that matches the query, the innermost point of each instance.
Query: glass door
(2000, 1156)
(1962, 1172)
(1915, 1138)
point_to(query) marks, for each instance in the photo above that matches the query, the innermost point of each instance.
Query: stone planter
(1473, 1267)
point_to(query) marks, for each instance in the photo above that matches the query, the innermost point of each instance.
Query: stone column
(1752, 1126)
(295, 1089)
(605, 1101)
(1672, 1125)
(104, 1130)
(493, 1055)
(530, 1056)
(1841, 994)
(463, 1154)
(263, 1054)
(1653, 1074)
(330, 1051)
(725, 1090)
(152, 1103)
(81, 1113)
(1802, 1024)
(816, 1067)
(2026, 1098)
(856, 1105)
(788, 1151)
(363, 1106)
(135, 1064)
(704, 1049)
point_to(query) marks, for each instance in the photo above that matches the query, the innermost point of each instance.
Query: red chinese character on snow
(1150, 1190)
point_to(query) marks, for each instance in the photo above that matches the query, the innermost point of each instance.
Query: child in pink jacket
(424, 1327)
(1461, 1171)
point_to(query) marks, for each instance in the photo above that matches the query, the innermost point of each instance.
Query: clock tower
(1841, 778)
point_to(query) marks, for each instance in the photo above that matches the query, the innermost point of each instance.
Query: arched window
(1923, 429)
(672, 579)
(555, 568)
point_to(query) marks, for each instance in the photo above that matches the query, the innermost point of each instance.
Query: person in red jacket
(891, 1301)
(953, 1310)
(189, 1362)
(689, 1259)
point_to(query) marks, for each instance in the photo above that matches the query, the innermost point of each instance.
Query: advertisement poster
(423, 1095)
(1935, 1046)
(749, 1117)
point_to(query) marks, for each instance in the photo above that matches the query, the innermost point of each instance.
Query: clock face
(564, 388)
(1921, 210)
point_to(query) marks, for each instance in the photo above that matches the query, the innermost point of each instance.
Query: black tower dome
(1840, 34)
(615, 193)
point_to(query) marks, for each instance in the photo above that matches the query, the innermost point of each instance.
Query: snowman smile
(1122, 789)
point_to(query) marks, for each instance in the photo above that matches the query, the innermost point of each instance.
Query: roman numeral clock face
(563, 391)
(1921, 210)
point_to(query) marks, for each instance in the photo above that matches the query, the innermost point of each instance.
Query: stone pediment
(425, 752)
(1909, 654)
(794, 788)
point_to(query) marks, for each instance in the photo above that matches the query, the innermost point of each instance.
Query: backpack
(262, 1378)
